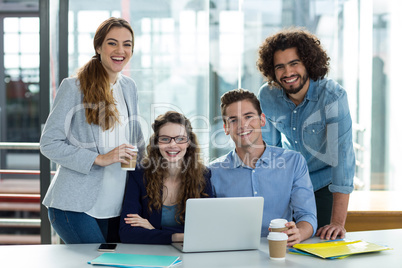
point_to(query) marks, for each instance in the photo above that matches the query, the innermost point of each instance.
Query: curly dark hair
(193, 170)
(309, 49)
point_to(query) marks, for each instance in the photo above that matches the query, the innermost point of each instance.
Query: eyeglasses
(177, 139)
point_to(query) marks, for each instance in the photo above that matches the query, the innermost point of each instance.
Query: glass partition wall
(19, 128)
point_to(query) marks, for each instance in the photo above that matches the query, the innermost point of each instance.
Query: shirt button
(253, 171)
(295, 129)
(296, 142)
(313, 130)
(294, 111)
(255, 192)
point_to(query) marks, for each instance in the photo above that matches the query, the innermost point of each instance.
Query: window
(21, 66)
(19, 123)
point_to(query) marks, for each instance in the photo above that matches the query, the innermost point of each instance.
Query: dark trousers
(113, 230)
(323, 200)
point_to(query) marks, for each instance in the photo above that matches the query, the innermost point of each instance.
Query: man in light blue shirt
(309, 114)
(256, 169)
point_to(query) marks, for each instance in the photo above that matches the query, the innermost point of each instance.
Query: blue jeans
(78, 227)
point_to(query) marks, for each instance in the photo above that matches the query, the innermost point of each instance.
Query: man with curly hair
(309, 113)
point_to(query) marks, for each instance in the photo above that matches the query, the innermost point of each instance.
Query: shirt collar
(235, 161)
(312, 92)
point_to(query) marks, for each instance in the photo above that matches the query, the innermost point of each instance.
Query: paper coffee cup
(131, 162)
(277, 245)
(278, 225)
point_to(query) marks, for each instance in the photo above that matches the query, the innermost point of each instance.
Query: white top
(110, 198)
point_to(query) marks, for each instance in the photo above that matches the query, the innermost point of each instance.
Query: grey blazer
(68, 140)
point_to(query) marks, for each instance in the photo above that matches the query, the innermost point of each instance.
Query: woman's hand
(118, 154)
(137, 221)
(179, 237)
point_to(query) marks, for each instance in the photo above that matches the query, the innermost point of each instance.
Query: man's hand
(331, 231)
(338, 218)
(298, 232)
(294, 236)
(137, 221)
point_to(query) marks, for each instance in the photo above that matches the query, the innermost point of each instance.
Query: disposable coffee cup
(131, 162)
(278, 225)
(277, 245)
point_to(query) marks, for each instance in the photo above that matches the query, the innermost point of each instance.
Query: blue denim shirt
(320, 128)
(280, 176)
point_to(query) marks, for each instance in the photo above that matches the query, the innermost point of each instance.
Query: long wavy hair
(309, 50)
(100, 106)
(193, 170)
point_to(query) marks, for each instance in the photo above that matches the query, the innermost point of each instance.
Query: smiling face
(172, 151)
(116, 51)
(290, 72)
(243, 124)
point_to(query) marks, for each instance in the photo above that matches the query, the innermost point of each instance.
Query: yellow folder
(340, 248)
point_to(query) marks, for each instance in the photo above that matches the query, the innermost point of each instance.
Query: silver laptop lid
(218, 224)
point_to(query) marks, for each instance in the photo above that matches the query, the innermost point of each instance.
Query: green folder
(134, 260)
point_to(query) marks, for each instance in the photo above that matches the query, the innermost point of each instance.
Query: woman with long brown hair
(156, 193)
(93, 115)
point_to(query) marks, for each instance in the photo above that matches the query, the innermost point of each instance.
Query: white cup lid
(134, 150)
(277, 223)
(277, 236)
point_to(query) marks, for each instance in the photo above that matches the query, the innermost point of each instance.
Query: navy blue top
(169, 216)
(136, 202)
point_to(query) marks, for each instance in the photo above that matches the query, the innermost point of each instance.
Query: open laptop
(220, 224)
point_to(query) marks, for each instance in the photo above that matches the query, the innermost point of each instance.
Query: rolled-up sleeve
(344, 170)
(302, 196)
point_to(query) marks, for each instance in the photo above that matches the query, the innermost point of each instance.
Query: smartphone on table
(107, 247)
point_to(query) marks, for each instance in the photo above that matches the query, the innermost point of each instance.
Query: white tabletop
(76, 256)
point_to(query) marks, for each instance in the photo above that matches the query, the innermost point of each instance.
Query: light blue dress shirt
(280, 176)
(320, 128)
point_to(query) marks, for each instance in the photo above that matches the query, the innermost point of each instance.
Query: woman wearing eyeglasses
(156, 192)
